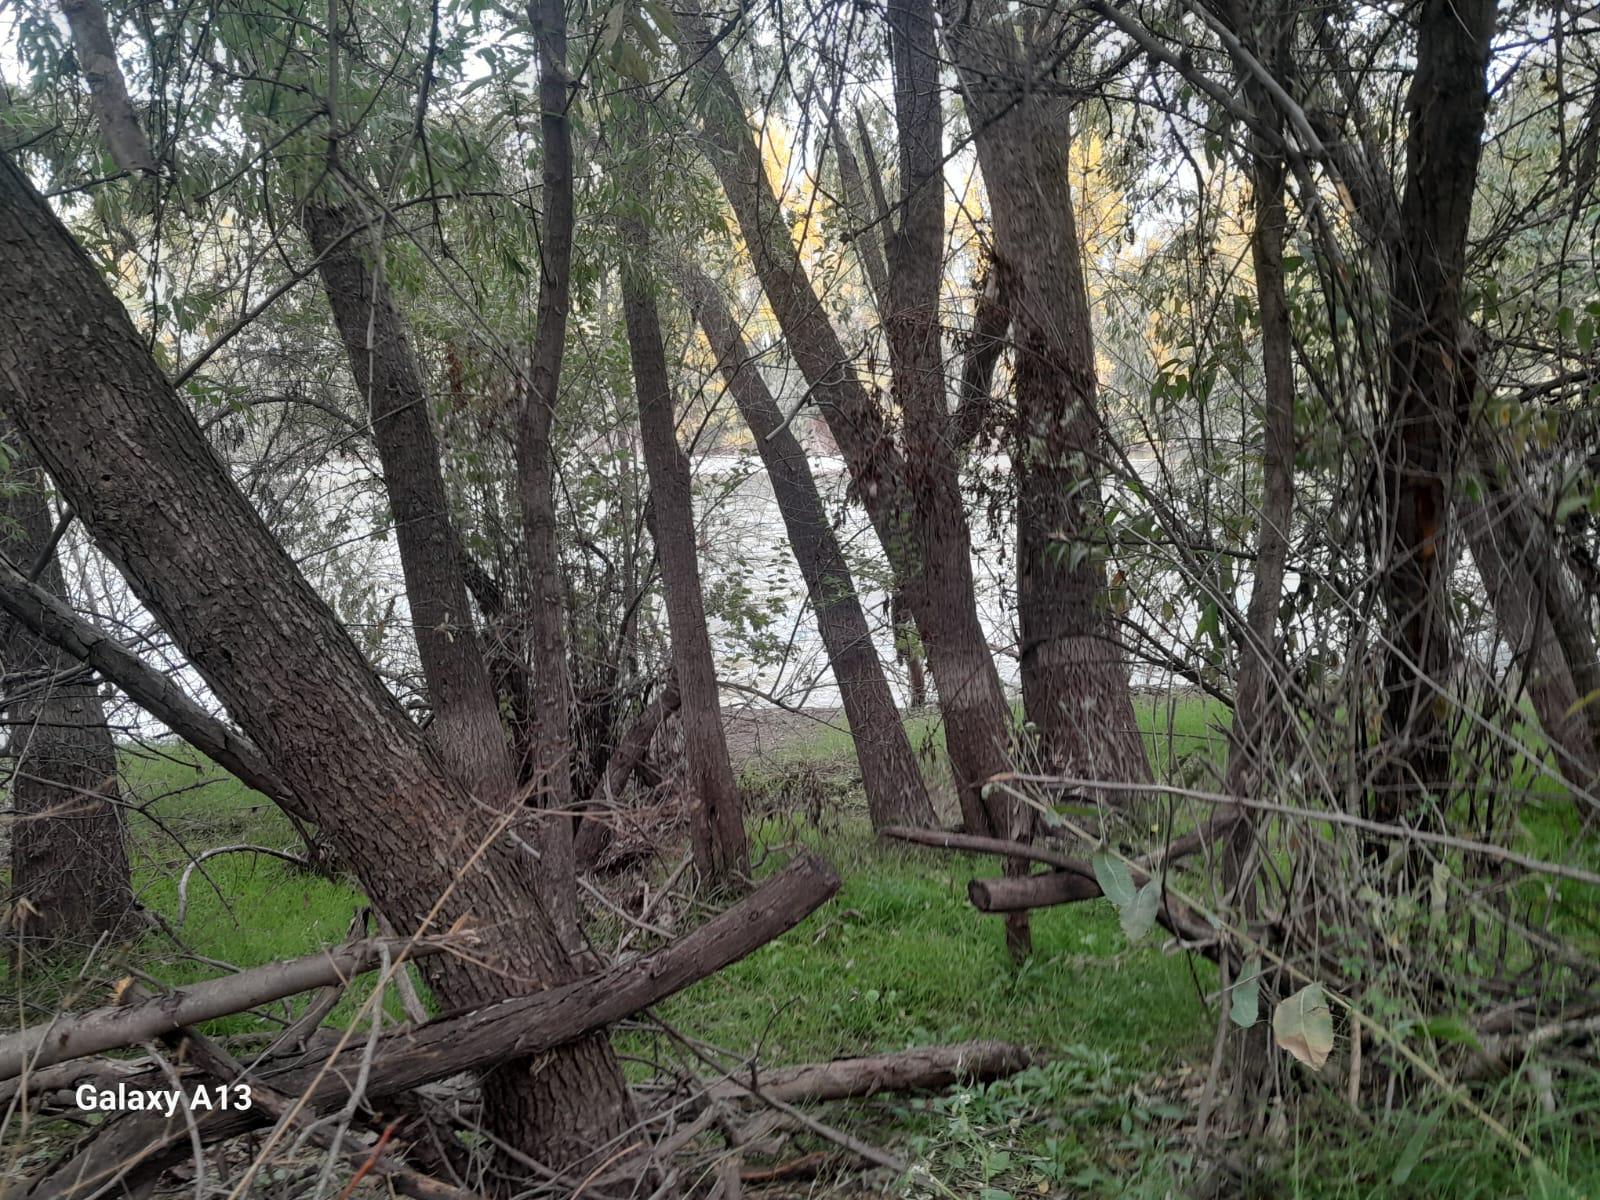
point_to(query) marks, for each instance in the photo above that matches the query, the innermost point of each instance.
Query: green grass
(899, 958)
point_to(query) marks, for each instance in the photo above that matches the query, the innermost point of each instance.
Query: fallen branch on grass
(77, 1035)
(1018, 893)
(288, 856)
(925, 1068)
(133, 1149)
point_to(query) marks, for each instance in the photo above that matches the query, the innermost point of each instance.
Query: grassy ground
(899, 958)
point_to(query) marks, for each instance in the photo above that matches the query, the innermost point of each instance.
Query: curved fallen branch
(133, 1149)
(289, 856)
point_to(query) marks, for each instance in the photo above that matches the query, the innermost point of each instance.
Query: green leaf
(1303, 1026)
(1412, 1154)
(1140, 915)
(1113, 878)
(1245, 1010)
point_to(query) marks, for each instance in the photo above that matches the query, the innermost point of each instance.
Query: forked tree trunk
(69, 861)
(716, 817)
(1432, 376)
(931, 560)
(78, 381)
(1074, 683)
(896, 793)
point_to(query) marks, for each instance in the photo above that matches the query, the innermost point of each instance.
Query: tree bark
(77, 1035)
(97, 59)
(1074, 684)
(550, 706)
(931, 562)
(1432, 375)
(76, 378)
(896, 792)
(69, 860)
(466, 721)
(916, 358)
(717, 818)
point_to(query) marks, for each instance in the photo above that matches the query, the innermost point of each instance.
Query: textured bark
(717, 818)
(1074, 683)
(1431, 381)
(916, 362)
(1019, 892)
(896, 793)
(77, 380)
(931, 560)
(69, 862)
(550, 707)
(52, 621)
(466, 720)
(518, 1027)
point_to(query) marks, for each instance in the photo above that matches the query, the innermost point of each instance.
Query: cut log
(1017, 893)
(1023, 892)
(78, 1035)
(926, 1068)
(135, 1148)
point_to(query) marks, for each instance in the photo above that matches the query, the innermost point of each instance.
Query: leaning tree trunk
(1074, 683)
(1510, 580)
(466, 719)
(896, 793)
(1432, 376)
(78, 381)
(716, 818)
(932, 563)
(69, 861)
(916, 356)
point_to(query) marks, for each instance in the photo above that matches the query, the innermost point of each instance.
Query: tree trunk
(550, 741)
(1511, 582)
(69, 862)
(916, 358)
(1268, 33)
(1074, 684)
(1432, 376)
(896, 793)
(932, 564)
(76, 378)
(466, 721)
(716, 819)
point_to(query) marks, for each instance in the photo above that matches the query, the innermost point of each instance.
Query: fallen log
(77, 1035)
(1018, 893)
(926, 1068)
(133, 1149)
